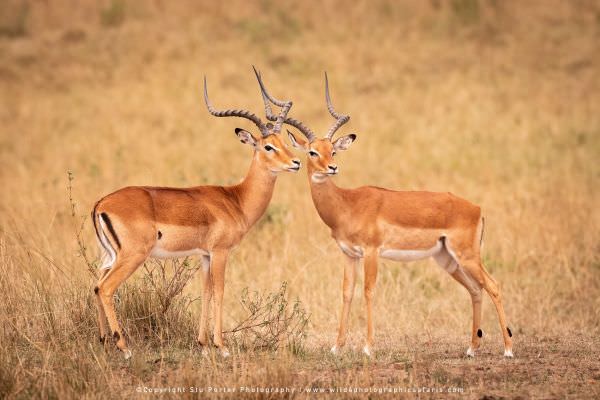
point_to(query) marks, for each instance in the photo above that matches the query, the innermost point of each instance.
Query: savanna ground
(496, 101)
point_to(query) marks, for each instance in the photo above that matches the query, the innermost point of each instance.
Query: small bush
(153, 309)
(271, 322)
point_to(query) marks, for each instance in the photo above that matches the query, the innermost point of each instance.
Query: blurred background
(495, 101)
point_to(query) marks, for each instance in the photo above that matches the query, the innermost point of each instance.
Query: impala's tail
(101, 222)
(482, 227)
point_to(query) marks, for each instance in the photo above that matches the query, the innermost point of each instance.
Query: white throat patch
(318, 177)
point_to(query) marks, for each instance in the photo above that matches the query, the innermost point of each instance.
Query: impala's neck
(327, 198)
(256, 190)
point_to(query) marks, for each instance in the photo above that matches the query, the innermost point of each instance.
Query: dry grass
(495, 101)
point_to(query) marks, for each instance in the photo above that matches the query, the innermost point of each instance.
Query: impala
(371, 222)
(138, 222)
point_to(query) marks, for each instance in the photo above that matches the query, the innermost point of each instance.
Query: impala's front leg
(348, 293)
(370, 279)
(218, 260)
(206, 297)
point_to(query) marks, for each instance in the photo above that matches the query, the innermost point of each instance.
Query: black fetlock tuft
(102, 339)
(116, 335)
(96, 289)
(509, 332)
(479, 333)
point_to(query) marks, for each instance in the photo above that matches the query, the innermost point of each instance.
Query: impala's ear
(298, 143)
(245, 137)
(344, 142)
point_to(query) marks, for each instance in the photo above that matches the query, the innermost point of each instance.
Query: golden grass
(497, 102)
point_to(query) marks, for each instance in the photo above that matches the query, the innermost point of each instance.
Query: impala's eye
(333, 153)
(269, 148)
(313, 153)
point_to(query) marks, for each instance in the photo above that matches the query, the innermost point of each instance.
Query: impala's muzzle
(296, 165)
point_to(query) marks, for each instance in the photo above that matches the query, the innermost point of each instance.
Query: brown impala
(371, 222)
(135, 223)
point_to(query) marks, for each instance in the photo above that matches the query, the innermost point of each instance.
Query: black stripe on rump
(111, 229)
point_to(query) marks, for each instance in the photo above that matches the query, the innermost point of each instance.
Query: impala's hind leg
(123, 267)
(447, 261)
(348, 294)
(476, 271)
(493, 290)
(101, 314)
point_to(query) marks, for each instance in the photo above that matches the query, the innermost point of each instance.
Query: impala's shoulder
(221, 191)
(193, 191)
(385, 192)
(382, 190)
(364, 193)
(370, 189)
(440, 196)
(206, 192)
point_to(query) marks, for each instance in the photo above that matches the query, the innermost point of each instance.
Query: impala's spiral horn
(340, 118)
(264, 130)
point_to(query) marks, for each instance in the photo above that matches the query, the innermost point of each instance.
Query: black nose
(333, 167)
(296, 161)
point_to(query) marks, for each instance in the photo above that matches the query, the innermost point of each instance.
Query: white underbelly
(158, 252)
(410, 255)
